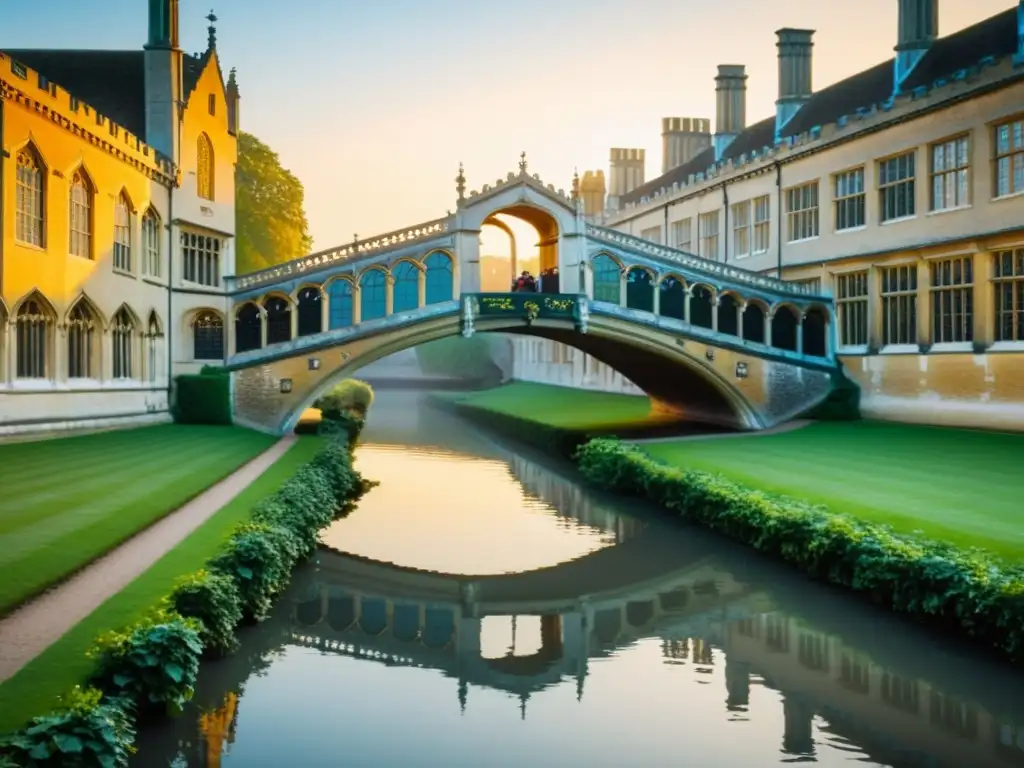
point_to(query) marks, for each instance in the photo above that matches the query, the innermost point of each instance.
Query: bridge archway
(675, 381)
(547, 244)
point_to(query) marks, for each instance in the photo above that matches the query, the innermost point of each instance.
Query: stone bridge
(708, 340)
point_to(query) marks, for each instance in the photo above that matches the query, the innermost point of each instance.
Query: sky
(374, 103)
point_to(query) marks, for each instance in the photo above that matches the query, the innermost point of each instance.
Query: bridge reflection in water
(850, 680)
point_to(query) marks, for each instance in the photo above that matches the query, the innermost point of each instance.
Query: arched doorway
(517, 239)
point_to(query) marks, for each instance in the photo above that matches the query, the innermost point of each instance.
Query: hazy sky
(373, 103)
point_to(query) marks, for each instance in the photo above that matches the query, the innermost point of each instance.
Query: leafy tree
(270, 217)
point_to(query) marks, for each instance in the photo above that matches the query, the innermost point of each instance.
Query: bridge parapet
(714, 271)
(357, 250)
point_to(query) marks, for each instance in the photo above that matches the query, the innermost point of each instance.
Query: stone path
(35, 626)
(788, 426)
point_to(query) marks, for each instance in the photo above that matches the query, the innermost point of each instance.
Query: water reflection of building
(896, 719)
(416, 618)
(570, 499)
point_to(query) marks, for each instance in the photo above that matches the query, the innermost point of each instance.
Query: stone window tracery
(80, 216)
(81, 341)
(123, 336)
(122, 235)
(34, 325)
(204, 167)
(30, 205)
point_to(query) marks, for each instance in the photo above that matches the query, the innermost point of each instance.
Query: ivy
(967, 591)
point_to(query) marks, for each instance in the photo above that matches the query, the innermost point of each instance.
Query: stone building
(900, 189)
(118, 219)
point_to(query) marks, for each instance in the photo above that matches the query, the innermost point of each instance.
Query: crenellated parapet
(29, 89)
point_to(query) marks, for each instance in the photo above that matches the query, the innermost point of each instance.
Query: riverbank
(68, 501)
(234, 572)
(895, 510)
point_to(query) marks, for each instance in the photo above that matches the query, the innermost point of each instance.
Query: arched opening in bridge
(373, 294)
(310, 311)
(279, 319)
(753, 322)
(785, 323)
(340, 303)
(672, 297)
(702, 306)
(248, 328)
(815, 333)
(507, 250)
(728, 314)
(521, 645)
(406, 287)
(640, 289)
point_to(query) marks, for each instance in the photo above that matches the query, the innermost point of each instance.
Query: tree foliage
(270, 216)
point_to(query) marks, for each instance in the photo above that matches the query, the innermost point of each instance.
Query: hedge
(150, 669)
(968, 592)
(203, 398)
(350, 397)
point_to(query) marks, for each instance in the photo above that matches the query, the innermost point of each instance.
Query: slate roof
(112, 82)
(996, 36)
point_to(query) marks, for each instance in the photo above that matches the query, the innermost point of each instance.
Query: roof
(996, 36)
(112, 82)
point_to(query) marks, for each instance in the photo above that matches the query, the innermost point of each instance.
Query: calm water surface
(482, 608)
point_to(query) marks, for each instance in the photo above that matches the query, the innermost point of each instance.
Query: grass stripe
(54, 522)
(36, 687)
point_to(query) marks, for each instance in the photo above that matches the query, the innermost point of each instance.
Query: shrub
(254, 560)
(202, 399)
(84, 731)
(154, 663)
(966, 590)
(212, 599)
(350, 397)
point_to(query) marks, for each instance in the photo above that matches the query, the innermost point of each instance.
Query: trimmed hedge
(350, 397)
(966, 591)
(152, 667)
(203, 398)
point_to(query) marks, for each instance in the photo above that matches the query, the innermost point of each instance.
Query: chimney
(162, 58)
(682, 139)
(625, 174)
(592, 190)
(918, 28)
(730, 107)
(794, 74)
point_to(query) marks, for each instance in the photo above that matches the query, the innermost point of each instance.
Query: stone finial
(522, 161)
(211, 42)
(575, 184)
(460, 183)
(233, 81)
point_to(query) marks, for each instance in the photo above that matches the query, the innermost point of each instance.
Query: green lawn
(566, 407)
(966, 487)
(66, 502)
(34, 689)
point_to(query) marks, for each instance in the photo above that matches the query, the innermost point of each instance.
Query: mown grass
(37, 686)
(66, 502)
(961, 486)
(566, 408)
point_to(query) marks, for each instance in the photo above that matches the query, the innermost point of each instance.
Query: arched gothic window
(153, 335)
(32, 337)
(152, 263)
(123, 234)
(80, 216)
(279, 319)
(123, 336)
(372, 295)
(30, 204)
(81, 341)
(339, 296)
(406, 294)
(248, 328)
(208, 336)
(310, 311)
(606, 279)
(204, 167)
(440, 277)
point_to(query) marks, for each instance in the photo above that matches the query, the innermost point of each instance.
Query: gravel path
(789, 426)
(35, 626)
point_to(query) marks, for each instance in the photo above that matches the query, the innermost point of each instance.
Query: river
(483, 608)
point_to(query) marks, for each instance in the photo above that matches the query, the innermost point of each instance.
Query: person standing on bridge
(525, 283)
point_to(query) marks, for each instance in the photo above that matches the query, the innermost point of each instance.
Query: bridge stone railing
(712, 269)
(353, 251)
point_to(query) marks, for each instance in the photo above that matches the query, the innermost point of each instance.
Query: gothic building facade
(899, 189)
(117, 216)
